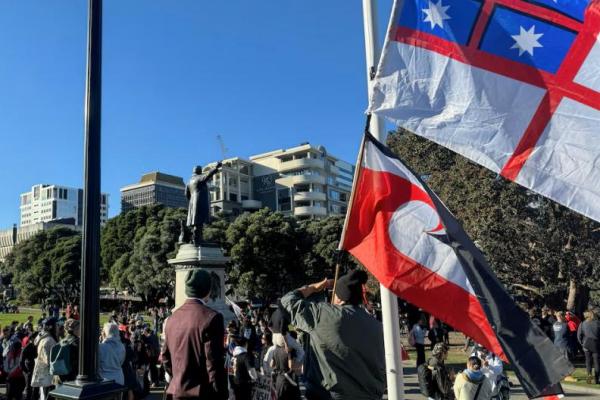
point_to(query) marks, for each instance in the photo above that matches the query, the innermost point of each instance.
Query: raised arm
(213, 171)
(303, 312)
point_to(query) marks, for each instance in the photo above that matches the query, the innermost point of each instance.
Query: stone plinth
(209, 257)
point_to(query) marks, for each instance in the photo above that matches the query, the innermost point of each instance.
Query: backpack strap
(478, 390)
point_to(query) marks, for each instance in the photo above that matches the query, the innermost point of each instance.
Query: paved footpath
(411, 388)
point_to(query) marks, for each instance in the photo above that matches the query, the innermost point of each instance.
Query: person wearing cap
(345, 355)
(193, 354)
(41, 371)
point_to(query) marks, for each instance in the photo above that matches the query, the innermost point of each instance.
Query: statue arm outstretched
(213, 171)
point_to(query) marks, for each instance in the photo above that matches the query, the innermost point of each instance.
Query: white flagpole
(389, 301)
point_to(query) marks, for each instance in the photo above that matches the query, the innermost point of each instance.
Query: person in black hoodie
(244, 373)
(588, 335)
(28, 356)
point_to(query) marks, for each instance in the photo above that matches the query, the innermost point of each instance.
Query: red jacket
(193, 352)
(573, 322)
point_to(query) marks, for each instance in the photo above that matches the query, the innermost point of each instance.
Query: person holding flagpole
(345, 358)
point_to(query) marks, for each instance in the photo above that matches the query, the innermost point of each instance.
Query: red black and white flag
(401, 231)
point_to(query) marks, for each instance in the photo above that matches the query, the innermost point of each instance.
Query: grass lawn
(7, 319)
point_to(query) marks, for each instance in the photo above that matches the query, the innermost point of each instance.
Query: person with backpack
(64, 357)
(472, 384)
(435, 381)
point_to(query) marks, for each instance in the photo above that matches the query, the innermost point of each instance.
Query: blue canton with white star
(526, 39)
(509, 34)
(458, 17)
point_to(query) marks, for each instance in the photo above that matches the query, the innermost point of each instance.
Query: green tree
(538, 248)
(46, 267)
(137, 245)
(266, 260)
(320, 244)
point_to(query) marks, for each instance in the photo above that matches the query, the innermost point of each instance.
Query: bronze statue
(196, 192)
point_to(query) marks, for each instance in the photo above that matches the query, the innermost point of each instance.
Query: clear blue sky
(264, 74)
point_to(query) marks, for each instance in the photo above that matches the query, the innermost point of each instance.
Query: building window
(233, 197)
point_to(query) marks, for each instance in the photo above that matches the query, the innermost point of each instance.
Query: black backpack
(426, 381)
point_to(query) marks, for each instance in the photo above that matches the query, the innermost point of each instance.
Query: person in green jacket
(344, 354)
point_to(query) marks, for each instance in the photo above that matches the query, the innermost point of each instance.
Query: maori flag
(513, 85)
(399, 230)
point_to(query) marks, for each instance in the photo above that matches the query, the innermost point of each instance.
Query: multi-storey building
(231, 187)
(12, 236)
(304, 181)
(46, 203)
(154, 188)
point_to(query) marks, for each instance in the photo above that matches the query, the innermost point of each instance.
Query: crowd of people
(331, 350)
(306, 346)
(37, 355)
(573, 336)
(483, 377)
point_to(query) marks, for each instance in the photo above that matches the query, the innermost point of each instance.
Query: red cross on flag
(513, 85)
(403, 234)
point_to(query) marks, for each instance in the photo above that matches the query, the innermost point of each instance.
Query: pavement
(411, 389)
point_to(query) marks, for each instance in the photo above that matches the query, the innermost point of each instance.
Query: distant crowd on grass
(37, 355)
(484, 374)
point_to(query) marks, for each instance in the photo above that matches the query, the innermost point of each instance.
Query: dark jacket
(441, 377)
(588, 335)
(193, 352)
(28, 356)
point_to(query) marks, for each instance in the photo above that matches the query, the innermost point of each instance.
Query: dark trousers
(154, 370)
(28, 389)
(592, 358)
(316, 392)
(14, 388)
(242, 391)
(420, 353)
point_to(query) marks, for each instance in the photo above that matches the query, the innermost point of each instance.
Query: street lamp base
(102, 390)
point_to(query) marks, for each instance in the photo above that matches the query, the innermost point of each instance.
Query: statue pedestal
(207, 256)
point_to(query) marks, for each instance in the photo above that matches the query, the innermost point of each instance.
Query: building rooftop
(155, 177)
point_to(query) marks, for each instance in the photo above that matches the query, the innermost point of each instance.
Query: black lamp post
(88, 384)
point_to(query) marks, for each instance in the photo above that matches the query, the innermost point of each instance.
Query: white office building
(304, 181)
(48, 203)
